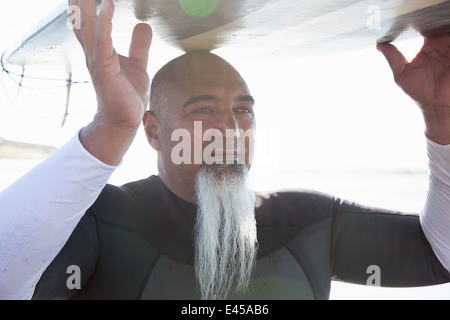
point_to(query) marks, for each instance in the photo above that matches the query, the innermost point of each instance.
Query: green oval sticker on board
(198, 8)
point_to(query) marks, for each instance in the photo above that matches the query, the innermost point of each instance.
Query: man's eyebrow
(246, 98)
(196, 99)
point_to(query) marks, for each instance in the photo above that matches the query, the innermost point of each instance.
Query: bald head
(183, 72)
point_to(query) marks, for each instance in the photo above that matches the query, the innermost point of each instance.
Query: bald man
(195, 231)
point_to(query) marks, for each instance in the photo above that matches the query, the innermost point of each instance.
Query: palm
(122, 88)
(427, 78)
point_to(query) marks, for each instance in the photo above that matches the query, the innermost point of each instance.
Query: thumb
(395, 58)
(140, 43)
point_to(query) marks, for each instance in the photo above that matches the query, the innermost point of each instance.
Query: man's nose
(228, 125)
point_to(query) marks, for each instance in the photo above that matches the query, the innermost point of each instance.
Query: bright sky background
(339, 112)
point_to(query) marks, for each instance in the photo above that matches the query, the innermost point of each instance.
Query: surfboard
(263, 27)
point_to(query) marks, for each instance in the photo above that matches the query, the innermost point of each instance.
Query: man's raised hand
(121, 83)
(426, 79)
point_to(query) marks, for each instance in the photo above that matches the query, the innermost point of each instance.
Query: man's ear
(151, 130)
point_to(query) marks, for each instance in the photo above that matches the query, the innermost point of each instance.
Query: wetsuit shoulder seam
(148, 275)
(302, 266)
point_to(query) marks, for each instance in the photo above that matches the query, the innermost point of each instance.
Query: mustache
(231, 168)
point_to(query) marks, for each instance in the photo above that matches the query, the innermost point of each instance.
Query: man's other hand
(426, 79)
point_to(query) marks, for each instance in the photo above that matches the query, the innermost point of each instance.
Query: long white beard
(225, 231)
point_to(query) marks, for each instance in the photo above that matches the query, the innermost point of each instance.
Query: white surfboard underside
(263, 27)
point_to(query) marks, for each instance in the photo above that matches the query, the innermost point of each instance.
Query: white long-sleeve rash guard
(435, 217)
(39, 212)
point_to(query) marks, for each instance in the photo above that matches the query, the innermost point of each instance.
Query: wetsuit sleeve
(367, 240)
(39, 212)
(435, 216)
(405, 249)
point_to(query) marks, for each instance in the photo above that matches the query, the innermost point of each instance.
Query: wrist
(437, 124)
(123, 128)
(107, 142)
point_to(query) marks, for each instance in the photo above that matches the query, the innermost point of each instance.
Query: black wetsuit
(136, 242)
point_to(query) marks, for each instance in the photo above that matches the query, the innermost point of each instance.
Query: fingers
(87, 16)
(77, 31)
(103, 46)
(95, 32)
(442, 40)
(140, 44)
(88, 10)
(395, 58)
(439, 45)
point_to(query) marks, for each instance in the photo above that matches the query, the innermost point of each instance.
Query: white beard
(225, 231)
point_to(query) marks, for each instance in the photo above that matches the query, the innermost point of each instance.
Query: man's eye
(243, 110)
(203, 110)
